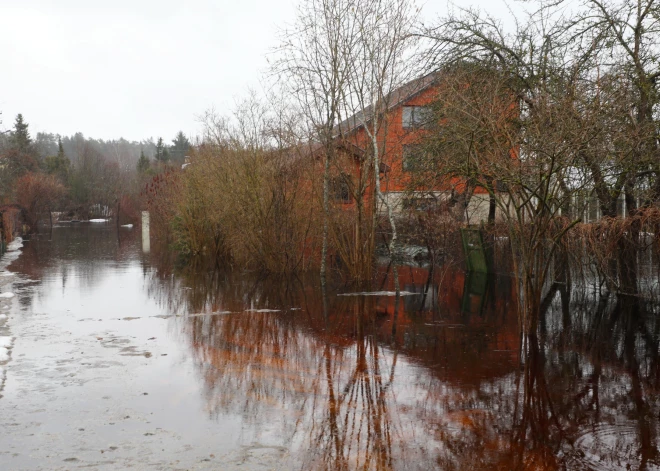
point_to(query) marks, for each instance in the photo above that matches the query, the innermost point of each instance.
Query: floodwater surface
(118, 360)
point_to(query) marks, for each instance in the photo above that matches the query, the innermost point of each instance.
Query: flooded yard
(119, 361)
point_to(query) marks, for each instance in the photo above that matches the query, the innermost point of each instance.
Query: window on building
(416, 117)
(501, 186)
(340, 190)
(414, 158)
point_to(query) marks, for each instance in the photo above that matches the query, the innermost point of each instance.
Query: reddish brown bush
(38, 194)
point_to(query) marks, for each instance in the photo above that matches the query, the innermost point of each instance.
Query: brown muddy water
(118, 361)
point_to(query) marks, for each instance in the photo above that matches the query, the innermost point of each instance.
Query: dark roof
(395, 98)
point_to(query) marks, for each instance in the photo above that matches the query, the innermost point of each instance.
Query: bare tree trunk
(628, 244)
(390, 214)
(326, 211)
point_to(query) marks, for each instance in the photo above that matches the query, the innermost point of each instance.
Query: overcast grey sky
(139, 68)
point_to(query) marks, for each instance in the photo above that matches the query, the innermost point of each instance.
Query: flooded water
(120, 361)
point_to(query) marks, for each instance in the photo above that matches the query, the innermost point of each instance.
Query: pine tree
(143, 164)
(60, 149)
(161, 151)
(59, 165)
(21, 137)
(180, 147)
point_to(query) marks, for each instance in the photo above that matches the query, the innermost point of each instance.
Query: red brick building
(400, 132)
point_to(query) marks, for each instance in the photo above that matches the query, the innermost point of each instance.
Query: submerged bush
(251, 207)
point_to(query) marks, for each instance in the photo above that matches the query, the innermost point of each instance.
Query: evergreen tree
(60, 149)
(20, 156)
(21, 136)
(162, 155)
(59, 165)
(180, 147)
(143, 164)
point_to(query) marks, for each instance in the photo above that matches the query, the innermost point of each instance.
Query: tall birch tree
(314, 64)
(380, 64)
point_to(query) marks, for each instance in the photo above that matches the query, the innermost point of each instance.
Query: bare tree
(315, 61)
(380, 64)
(620, 40)
(513, 121)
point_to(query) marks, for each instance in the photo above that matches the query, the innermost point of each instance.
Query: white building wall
(477, 210)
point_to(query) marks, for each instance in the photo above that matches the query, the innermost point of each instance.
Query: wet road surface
(98, 377)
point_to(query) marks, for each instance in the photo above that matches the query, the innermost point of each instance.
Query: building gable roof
(393, 99)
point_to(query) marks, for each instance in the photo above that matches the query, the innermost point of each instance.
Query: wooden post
(146, 241)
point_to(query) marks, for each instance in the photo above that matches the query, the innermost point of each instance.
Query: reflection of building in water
(445, 389)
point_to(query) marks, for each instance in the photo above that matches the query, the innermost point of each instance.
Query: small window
(501, 186)
(414, 158)
(340, 190)
(416, 116)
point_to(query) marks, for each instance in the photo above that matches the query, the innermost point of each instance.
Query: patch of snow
(3, 317)
(98, 220)
(380, 293)
(13, 252)
(414, 251)
(15, 244)
(129, 226)
(6, 341)
(6, 273)
(7, 295)
(263, 310)
(4, 355)
(216, 313)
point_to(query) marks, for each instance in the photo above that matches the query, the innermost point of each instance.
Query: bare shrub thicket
(595, 249)
(38, 194)
(241, 200)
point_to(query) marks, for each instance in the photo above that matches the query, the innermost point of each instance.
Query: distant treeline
(121, 151)
(75, 174)
(124, 153)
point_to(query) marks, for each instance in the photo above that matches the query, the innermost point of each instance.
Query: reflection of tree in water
(202, 289)
(81, 252)
(615, 349)
(585, 398)
(329, 384)
(355, 427)
(332, 396)
(347, 390)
